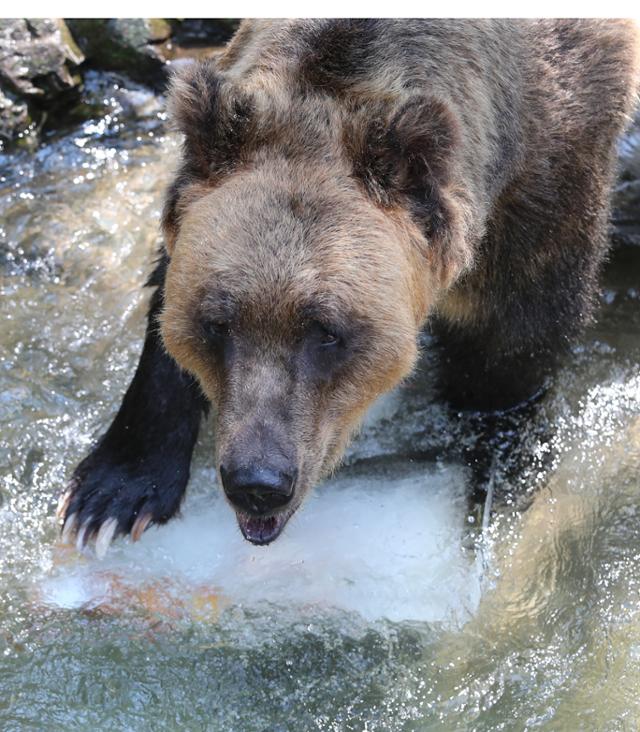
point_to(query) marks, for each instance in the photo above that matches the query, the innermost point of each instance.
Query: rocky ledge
(44, 62)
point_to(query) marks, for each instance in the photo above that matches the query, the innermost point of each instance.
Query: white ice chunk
(382, 547)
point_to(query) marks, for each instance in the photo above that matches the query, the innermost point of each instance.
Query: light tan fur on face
(302, 238)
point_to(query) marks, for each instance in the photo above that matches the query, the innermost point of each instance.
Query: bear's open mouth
(261, 530)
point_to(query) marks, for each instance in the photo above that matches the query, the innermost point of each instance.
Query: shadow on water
(384, 606)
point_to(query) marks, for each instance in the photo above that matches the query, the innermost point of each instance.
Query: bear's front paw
(106, 498)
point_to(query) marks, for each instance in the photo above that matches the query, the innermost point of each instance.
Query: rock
(189, 32)
(40, 87)
(37, 62)
(14, 117)
(159, 29)
(124, 44)
(36, 55)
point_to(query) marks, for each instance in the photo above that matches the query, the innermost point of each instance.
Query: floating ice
(382, 547)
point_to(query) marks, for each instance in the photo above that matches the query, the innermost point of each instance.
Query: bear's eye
(329, 339)
(325, 336)
(215, 331)
(326, 347)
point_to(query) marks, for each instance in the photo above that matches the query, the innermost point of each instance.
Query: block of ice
(384, 547)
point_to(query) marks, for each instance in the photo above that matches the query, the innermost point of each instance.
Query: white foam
(385, 548)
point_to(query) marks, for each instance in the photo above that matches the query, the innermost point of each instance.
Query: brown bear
(343, 183)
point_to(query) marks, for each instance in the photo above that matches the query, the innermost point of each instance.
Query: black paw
(137, 474)
(107, 498)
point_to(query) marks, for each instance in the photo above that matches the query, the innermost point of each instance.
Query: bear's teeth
(261, 530)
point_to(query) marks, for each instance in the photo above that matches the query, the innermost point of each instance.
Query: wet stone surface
(124, 44)
(385, 606)
(38, 62)
(47, 63)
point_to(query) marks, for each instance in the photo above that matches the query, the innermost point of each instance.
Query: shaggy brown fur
(335, 152)
(345, 181)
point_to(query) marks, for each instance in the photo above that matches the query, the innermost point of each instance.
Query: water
(384, 606)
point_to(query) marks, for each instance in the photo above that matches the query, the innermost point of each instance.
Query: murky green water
(383, 607)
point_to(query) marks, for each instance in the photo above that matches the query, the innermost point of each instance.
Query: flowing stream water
(391, 602)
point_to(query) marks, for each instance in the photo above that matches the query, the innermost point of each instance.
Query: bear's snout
(257, 490)
(262, 497)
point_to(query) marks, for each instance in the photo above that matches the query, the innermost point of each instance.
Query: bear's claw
(63, 505)
(82, 536)
(104, 532)
(105, 536)
(140, 525)
(106, 499)
(68, 528)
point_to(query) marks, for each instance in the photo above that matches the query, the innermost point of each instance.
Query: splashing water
(382, 607)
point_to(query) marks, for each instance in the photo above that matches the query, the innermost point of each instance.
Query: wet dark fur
(141, 465)
(494, 139)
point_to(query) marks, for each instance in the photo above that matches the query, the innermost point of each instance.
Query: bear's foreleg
(137, 473)
(474, 375)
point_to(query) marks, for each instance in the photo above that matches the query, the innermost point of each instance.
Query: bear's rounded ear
(406, 156)
(215, 119)
(406, 150)
(213, 116)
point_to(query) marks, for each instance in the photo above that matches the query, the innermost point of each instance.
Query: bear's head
(306, 248)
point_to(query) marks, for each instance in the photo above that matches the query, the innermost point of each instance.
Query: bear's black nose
(257, 490)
